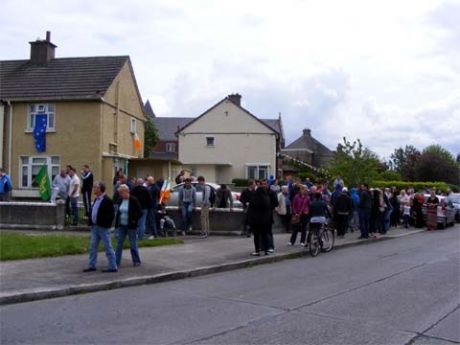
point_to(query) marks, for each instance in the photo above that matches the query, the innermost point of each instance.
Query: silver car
(174, 199)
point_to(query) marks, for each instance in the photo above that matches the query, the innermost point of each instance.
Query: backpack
(212, 196)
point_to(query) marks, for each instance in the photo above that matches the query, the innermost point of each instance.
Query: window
(30, 167)
(210, 141)
(257, 172)
(132, 126)
(170, 147)
(38, 109)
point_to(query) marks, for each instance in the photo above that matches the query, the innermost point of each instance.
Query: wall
(76, 139)
(28, 215)
(123, 94)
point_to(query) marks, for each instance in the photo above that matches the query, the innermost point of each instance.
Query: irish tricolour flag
(165, 192)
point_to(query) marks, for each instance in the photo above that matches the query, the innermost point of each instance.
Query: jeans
(153, 221)
(141, 224)
(406, 219)
(364, 216)
(74, 207)
(122, 232)
(87, 202)
(187, 209)
(205, 220)
(99, 233)
(386, 219)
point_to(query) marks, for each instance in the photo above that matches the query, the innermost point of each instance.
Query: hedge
(416, 185)
(240, 182)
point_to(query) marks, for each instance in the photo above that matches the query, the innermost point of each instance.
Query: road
(400, 291)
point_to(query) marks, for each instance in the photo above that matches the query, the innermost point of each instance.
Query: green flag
(43, 181)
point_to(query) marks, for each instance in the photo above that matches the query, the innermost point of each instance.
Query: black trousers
(300, 227)
(342, 224)
(87, 201)
(261, 240)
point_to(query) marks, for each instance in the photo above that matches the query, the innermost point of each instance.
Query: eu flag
(40, 132)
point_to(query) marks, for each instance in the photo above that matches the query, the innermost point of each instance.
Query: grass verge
(17, 246)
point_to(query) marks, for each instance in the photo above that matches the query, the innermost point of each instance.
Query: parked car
(445, 213)
(454, 201)
(174, 199)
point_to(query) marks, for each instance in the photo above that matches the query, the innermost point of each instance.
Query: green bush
(240, 182)
(418, 186)
(389, 175)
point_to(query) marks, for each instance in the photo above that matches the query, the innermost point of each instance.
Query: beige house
(94, 115)
(228, 142)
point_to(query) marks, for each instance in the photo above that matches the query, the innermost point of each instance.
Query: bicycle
(322, 237)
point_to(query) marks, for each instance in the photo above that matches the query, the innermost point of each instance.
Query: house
(308, 150)
(225, 142)
(94, 115)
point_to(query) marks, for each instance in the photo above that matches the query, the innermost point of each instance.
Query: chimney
(42, 51)
(307, 132)
(235, 98)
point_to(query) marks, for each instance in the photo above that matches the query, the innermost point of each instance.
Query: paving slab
(27, 280)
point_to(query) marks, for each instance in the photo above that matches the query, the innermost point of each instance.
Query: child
(166, 222)
(406, 215)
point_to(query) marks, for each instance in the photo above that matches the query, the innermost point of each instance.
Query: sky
(387, 72)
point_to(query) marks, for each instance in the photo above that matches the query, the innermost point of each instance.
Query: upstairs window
(210, 141)
(257, 172)
(40, 109)
(170, 147)
(132, 126)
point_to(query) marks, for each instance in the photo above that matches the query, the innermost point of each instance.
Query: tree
(151, 137)
(403, 161)
(355, 163)
(437, 164)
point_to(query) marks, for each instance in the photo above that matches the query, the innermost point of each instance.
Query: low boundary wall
(32, 215)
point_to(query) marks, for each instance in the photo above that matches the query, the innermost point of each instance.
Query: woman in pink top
(300, 209)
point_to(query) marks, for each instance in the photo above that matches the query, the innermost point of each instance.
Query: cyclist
(319, 213)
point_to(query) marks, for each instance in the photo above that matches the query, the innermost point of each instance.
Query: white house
(227, 142)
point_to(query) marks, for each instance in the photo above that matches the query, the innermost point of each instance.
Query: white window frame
(41, 108)
(213, 141)
(133, 125)
(258, 167)
(170, 147)
(30, 164)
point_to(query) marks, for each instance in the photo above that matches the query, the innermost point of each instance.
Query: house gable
(227, 118)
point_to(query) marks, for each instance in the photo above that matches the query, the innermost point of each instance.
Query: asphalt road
(402, 291)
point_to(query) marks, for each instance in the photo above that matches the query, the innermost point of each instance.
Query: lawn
(17, 246)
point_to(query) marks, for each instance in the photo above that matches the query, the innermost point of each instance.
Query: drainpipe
(10, 137)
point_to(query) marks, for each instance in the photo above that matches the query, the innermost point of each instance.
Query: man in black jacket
(100, 220)
(364, 210)
(86, 188)
(273, 204)
(144, 197)
(245, 199)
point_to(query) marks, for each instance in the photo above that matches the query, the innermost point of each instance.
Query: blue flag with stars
(40, 132)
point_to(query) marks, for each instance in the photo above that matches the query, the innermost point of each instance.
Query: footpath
(35, 279)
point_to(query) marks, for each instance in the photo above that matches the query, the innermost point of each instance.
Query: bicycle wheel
(314, 245)
(328, 239)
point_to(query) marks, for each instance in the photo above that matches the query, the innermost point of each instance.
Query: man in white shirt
(74, 194)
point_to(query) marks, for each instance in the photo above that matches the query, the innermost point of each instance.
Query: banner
(43, 181)
(40, 132)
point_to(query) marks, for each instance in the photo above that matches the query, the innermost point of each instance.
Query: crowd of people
(139, 211)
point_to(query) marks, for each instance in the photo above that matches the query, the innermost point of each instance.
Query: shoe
(302, 244)
(289, 243)
(183, 233)
(361, 238)
(204, 236)
(271, 251)
(255, 254)
(267, 253)
(136, 264)
(89, 269)
(151, 237)
(110, 270)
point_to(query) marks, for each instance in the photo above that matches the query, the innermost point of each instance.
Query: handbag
(295, 219)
